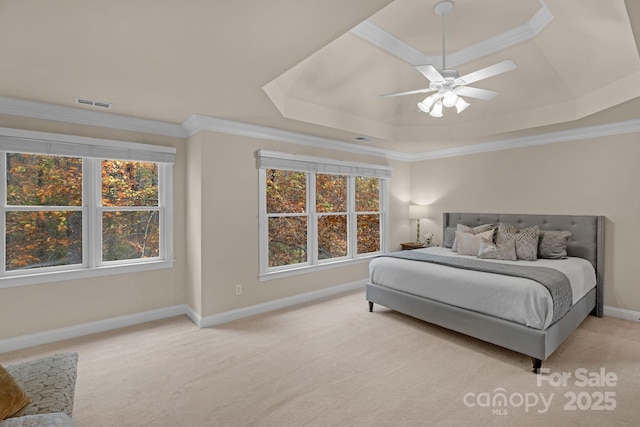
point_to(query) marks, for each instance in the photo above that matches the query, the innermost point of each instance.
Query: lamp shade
(437, 110)
(418, 211)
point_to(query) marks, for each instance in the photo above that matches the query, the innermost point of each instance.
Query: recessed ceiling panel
(560, 67)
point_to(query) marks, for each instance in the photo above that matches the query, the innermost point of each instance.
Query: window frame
(92, 152)
(313, 166)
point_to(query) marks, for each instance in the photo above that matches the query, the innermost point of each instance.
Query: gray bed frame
(587, 242)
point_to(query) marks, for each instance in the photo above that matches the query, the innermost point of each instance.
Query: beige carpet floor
(333, 363)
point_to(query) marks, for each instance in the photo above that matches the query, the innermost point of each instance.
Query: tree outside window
(130, 214)
(45, 214)
(345, 212)
(43, 220)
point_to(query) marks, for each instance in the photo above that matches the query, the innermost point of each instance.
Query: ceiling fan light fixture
(449, 99)
(426, 105)
(461, 105)
(437, 110)
(447, 84)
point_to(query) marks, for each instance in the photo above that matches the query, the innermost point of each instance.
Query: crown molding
(609, 129)
(393, 45)
(198, 122)
(81, 116)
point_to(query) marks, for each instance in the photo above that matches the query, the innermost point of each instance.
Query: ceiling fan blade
(474, 92)
(430, 73)
(485, 73)
(411, 92)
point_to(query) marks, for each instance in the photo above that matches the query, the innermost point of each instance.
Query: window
(68, 216)
(130, 212)
(43, 214)
(316, 213)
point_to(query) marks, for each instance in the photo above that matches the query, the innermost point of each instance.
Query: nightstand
(412, 245)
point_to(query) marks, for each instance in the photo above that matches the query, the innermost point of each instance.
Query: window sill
(81, 273)
(294, 271)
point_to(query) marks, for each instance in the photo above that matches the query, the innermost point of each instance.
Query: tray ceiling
(318, 66)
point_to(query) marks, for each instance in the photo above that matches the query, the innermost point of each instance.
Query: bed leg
(537, 364)
(370, 307)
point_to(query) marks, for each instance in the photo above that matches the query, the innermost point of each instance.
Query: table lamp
(418, 212)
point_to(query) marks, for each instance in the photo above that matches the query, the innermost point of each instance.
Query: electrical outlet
(238, 289)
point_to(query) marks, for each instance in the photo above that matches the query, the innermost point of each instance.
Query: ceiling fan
(448, 85)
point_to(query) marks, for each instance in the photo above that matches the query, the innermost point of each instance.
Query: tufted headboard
(587, 241)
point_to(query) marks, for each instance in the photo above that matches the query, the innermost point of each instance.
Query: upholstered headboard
(587, 241)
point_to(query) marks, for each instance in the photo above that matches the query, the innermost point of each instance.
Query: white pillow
(471, 230)
(469, 244)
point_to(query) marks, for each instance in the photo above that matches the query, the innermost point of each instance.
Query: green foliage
(287, 192)
(43, 239)
(367, 194)
(53, 236)
(331, 193)
(36, 180)
(287, 240)
(368, 233)
(129, 183)
(130, 235)
(332, 236)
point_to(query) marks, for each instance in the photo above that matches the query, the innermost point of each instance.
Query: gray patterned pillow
(449, 237)
(526, 240)
(471, 230)
(504, 251)
(553, 244)
(50, 382)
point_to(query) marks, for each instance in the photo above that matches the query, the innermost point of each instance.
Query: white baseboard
(622, 313)
(228, 316)
(75, 331)
(31, 340)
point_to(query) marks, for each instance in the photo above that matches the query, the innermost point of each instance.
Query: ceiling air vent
(85, 101)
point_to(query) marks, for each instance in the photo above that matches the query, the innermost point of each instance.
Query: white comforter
(516, 299)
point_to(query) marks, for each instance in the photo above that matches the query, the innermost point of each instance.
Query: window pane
(43, 239)
(129, 183)
(367, 194)
(331, 193)
(130, 235)
(368, 233)
(286, 191)
(36, 180)
(287, 240)
(332, 236)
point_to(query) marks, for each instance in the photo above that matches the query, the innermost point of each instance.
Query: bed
(410, 290)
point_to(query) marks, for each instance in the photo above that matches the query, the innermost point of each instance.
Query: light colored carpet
(333, 363)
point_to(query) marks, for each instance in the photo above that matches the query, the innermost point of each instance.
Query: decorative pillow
(553, 244)
(505, 232)
(526, 240)
(469, 244)
(470, 230)
(504, 251)
(49, 381)
(449, 237)
(12, 398)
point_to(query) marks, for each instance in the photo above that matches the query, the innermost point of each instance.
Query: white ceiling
(318, 66)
